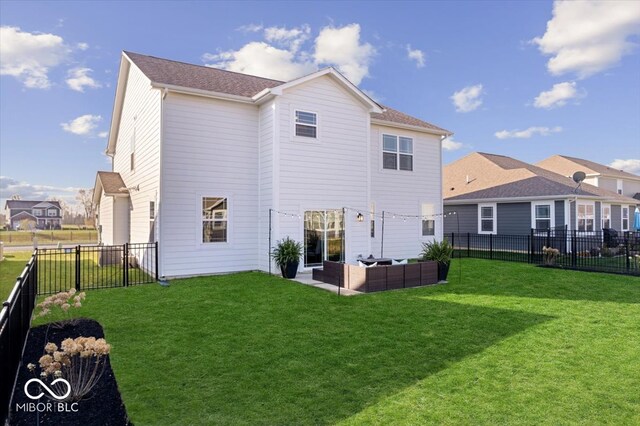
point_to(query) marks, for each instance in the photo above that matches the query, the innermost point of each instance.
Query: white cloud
(83, 125)
(416, 55)
(250, 28)
(27, 191)
(558, 95)
(339, 47)
(29, 56)
(261, 59)
(82, 46)
(630, 165)
(527, 133)
(467, 99)
(449, 144)
(290, 38)
(78, 79)
(586, 37)
(103, 135)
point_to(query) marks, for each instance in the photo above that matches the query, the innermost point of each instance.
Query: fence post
(529, 257)
(574, 249)
(491, 246)
(156, 247)
(468, 244)
(125, 264)
(548, 237)
(626, 251)
(78, 260)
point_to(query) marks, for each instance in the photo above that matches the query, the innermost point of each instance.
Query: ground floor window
(586, 217)
(625, 218)
(428, 221)
(606, 216)
(542, 216)
(487, 219)
(214, 219)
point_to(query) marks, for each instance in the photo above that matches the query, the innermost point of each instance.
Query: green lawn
(10, 268)
(509, 343)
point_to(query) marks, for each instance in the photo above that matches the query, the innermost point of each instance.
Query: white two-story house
(217, 166)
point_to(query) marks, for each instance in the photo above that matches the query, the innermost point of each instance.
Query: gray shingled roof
(544, 183)
(174, 73)
(26, 204)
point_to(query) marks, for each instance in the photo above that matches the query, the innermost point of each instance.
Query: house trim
(494, 206)
(409, 127)
(552, 212)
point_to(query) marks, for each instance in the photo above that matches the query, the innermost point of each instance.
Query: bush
(441, 252)
(286, 251)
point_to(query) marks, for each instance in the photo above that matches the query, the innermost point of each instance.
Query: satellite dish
(579, 177)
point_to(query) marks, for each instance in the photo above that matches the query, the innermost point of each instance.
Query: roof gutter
(519, 199)
(410, 127)
(203, 93)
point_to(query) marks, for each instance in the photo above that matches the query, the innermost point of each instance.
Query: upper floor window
(37, 212)
(619, 186)
(397, 152)
(307, 124)
(52, 212)
(625, 218)
(214, 220)
(586, 217)
(487, 219)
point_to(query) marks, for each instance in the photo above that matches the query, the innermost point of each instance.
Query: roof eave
(442, 132)
(200, 92)
(116, 115)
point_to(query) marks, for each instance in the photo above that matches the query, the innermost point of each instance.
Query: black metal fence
(53, 270)
(598, 252)
(94, 267)
(15, 320)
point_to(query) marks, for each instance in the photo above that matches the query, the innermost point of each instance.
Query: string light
(404, 217)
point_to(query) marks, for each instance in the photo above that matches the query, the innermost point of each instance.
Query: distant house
(495, 194)
(605, 177)
(36, 214)
(217, 166)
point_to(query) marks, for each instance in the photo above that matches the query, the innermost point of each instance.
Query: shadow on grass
(252, 349)
(525, 280)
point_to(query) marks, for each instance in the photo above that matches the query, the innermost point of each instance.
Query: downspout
(159, 197)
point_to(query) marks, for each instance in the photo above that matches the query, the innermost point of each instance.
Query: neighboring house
(37, 214)
(495, 194)
(203, 158)
(605, 177)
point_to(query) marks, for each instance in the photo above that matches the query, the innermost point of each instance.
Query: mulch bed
(102, 406)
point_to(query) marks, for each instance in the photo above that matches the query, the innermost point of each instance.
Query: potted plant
(287, 255)
(440, 252)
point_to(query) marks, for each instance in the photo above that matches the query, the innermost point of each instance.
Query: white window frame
(38, 212)
(494, 218)
(201, 220)
(55, 213)
(622, 208)
(619, 186)
(427, 211)
(397, 152)
(294, 121)
(552, 213)
(604, 217)
(586, 217)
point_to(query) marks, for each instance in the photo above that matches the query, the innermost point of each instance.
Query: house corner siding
(466, 216)
(559, 216)
(514, 218)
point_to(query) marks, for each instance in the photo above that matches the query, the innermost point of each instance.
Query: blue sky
(524, 79)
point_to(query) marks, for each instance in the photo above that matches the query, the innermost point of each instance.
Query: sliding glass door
(323, 236)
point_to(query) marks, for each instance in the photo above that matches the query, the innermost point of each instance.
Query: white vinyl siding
(210, 149)
(105, 219)
(139, 131)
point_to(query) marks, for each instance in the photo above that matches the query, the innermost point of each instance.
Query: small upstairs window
(397, 153)
(306, 124)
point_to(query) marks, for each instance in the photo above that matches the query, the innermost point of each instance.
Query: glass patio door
(323, 236)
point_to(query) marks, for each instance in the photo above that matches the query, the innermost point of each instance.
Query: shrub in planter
(287, 255)
(441, 252)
